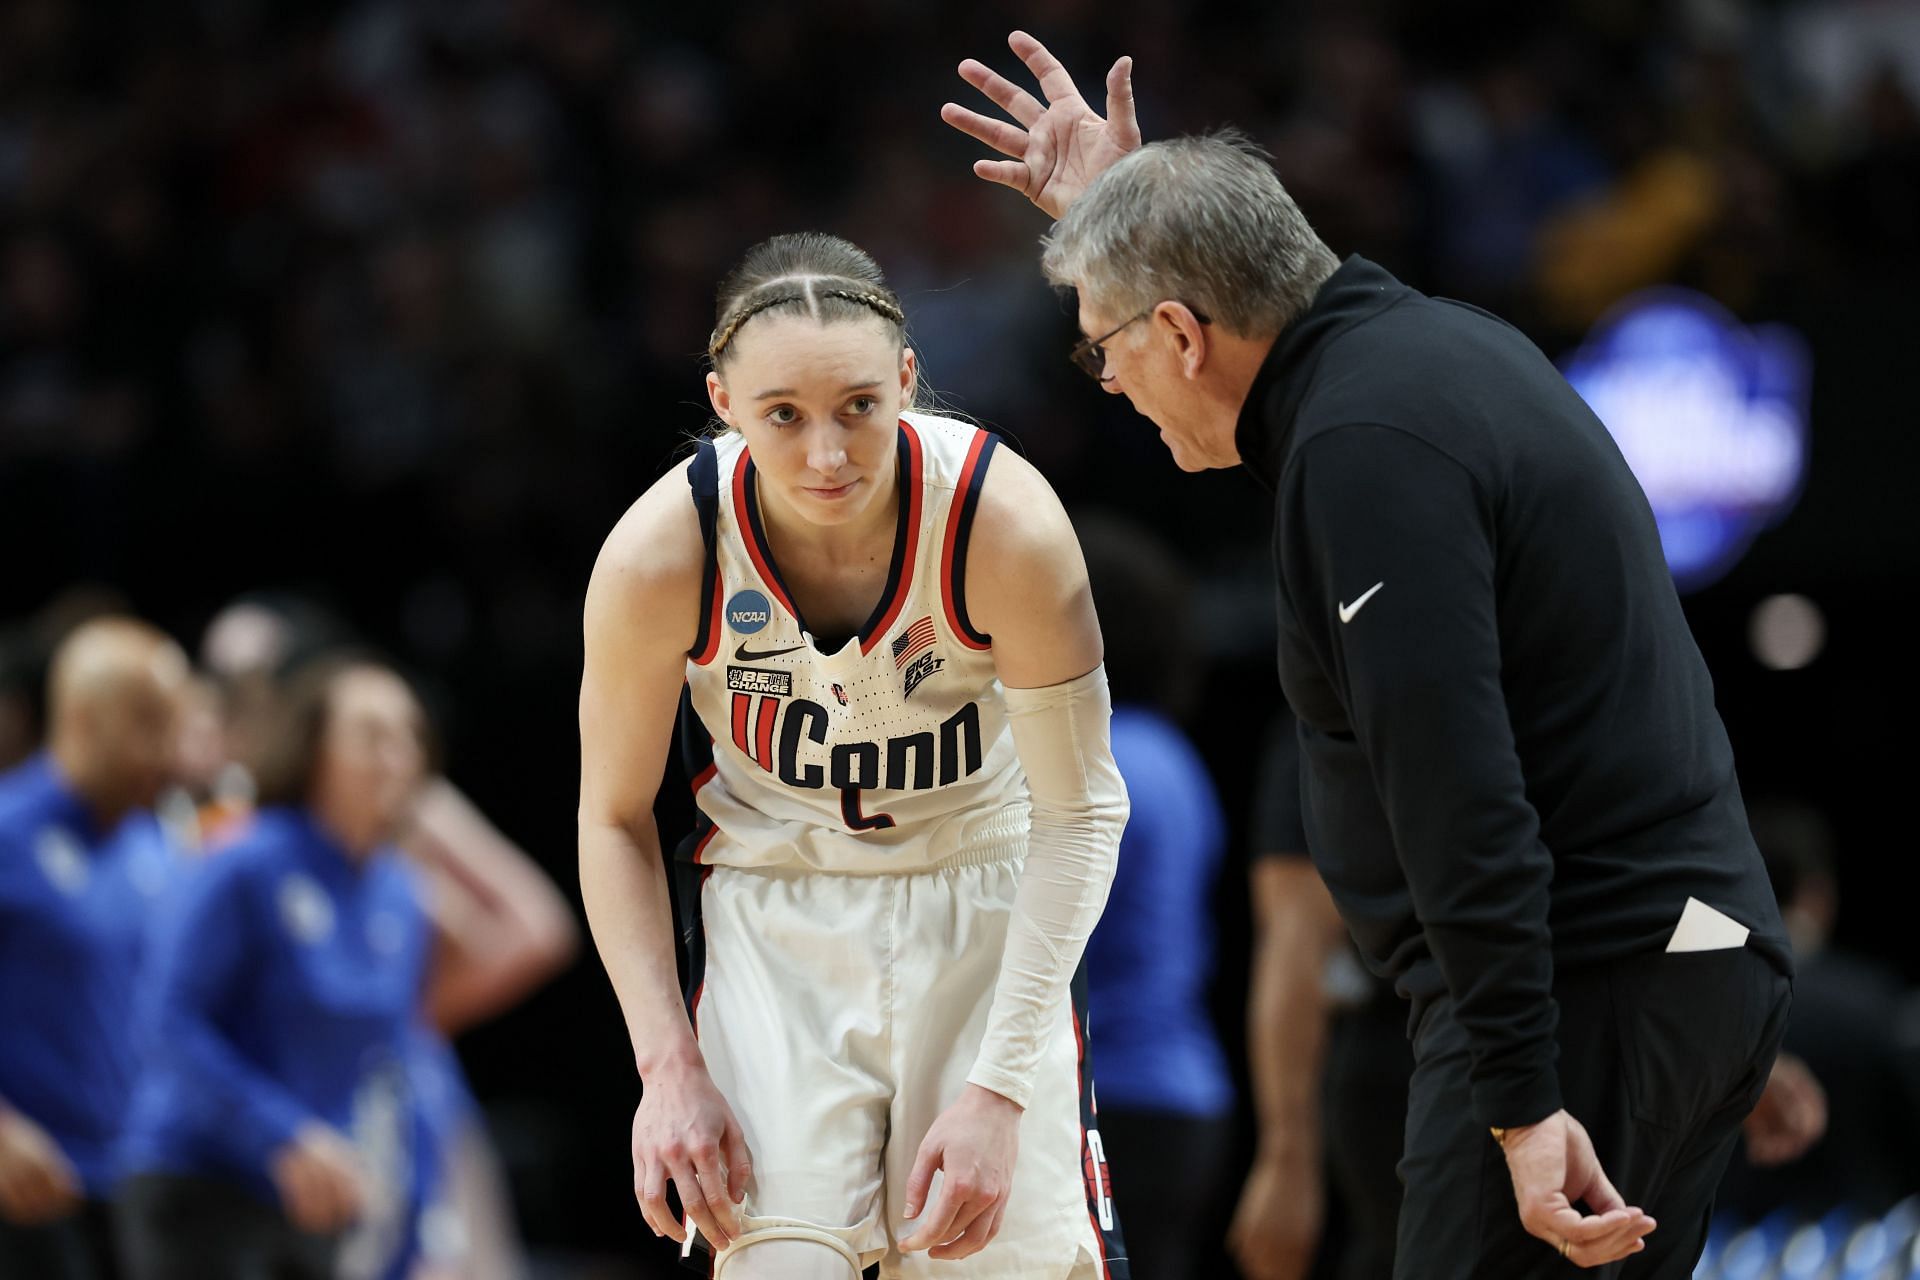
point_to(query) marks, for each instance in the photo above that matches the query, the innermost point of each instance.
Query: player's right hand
(37, 1181)
(319, 1178)
(685, 1133)
(1276, 1228)
(1059, 148)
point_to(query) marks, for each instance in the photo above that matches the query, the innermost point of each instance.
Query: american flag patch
(913, 642)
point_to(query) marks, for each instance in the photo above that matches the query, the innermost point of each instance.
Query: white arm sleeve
(1062, 733)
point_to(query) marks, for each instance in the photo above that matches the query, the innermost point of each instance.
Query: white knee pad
(785, 1249)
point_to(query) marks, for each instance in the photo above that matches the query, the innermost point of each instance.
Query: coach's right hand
(37, 1182)
(318, 1176)
(685, 1132)
(1059, 148)
(1553, 1167)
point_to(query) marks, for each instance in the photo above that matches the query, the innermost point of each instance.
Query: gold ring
(1566, 1249)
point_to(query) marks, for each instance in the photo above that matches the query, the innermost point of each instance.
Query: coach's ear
(1188, 335)
(722, 402)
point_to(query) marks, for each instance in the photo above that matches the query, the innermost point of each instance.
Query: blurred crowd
(397, 303)
(449, 265)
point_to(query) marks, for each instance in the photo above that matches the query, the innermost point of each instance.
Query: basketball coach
(1517, 787)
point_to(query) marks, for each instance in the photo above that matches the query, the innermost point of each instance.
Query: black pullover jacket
(1511, 760)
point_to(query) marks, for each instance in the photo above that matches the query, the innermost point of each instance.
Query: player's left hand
(975, 1142)
(1553, 1166)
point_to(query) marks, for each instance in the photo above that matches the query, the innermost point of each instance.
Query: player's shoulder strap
(703, 477)
(953, 555)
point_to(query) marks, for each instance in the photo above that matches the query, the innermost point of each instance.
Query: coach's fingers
(1121, 118)
(1600, 1238)
(1007, 139)
(1588, 1254)
(1008, 173)
(1053, 78)
(1599, 1193)
(739, 1162)
(1002, 92)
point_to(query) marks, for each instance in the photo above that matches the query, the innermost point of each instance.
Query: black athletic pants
(182, 1228)
(1172, 1186)
(1661, 1057)
(1368, 1065)
(75, 1248)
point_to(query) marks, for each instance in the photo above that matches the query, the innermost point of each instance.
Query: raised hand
(1058, 148)
(1553, 1165)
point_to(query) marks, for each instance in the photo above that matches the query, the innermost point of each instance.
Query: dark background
(398, 304)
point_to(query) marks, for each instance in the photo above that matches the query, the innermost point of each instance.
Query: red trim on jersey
(762, 560)
(742, 703)
(904, 587)
(948, 587)
(707, 654)
(705, 776)
(1079, 1081)
(763, 731)
(700, 849)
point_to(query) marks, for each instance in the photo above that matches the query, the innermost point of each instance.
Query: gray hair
(1202, 221)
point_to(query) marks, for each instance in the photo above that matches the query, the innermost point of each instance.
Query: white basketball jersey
(891, 754)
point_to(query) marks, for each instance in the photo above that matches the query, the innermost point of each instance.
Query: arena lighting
(1787, 632)
(1711, 416)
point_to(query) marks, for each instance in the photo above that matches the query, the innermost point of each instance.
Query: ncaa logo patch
(748, 612)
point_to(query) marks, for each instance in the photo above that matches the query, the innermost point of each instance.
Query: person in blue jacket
(270, 1132)
(83, 863)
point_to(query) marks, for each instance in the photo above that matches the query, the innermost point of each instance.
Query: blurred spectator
(270, 1130)
(1329, 1058)
(1853, 1026)
(1165, 1094)
(83, 867)
(492, 904)
(506, 926)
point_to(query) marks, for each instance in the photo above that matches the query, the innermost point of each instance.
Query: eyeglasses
(1090, 356)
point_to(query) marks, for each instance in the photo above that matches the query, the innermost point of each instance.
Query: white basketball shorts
(840, 1014)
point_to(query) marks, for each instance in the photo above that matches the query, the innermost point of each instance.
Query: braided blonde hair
(821, 275)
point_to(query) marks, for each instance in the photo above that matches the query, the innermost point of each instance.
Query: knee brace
(788, 1249)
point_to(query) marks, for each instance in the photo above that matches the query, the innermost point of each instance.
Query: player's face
(818, 405)
(1143, 363)
(371, 758)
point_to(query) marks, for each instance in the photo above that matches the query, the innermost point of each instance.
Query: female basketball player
(876, 632)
